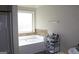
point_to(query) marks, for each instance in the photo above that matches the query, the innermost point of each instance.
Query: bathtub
(31, 44)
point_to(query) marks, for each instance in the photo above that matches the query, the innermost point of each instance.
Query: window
(25, 22)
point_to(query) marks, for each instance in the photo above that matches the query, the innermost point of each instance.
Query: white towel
(73, 51)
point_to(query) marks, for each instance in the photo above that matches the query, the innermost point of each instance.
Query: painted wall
(60, 19)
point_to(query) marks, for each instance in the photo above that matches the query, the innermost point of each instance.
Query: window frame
(33, 22)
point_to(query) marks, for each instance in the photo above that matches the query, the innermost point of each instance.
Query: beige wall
(60, 19)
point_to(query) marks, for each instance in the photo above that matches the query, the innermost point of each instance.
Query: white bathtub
(31, 44)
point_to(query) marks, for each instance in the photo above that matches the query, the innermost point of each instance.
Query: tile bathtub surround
(43, 32)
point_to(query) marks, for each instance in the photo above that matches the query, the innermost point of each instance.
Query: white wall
(67, 25)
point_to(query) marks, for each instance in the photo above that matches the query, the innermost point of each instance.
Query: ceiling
(31, 6)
